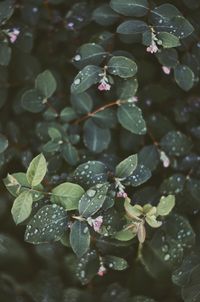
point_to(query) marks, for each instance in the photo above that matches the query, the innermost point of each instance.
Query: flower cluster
(153, 47)
(13, 34)
(104, 82)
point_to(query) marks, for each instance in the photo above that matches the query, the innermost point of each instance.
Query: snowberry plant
(100, 111)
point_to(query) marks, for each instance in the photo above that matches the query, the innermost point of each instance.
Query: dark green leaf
(5, 53)
(33, 101)
(184, 77)
(49, 224)
(6, 10)
(80, 238)
(82, 103)
(126, 167)
(122, 67)
(88, 267)
(104, 15)
(175, 143)
(46, 83)
(116, 263)
(131, 8)
(3, 143)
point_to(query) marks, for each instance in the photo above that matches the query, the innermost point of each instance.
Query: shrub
(100, 111)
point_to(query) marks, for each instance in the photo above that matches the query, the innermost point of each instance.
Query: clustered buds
(153, 47)
(122, 194)
(104, 82)
(13, 34)
(95, 223)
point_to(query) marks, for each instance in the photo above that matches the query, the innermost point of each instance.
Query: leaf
(168, 57)
(115, 263)
(184, 77)
(168, 40)
(82, 103)
(88, 267)
(173, 185)
(149, 157)
(6, 10)
(89, 54)
(93, 200)
(48, 224)
(70, 154)
(104, 15)
(3, 143)
(132, 211)
(106, 118)
(46, 83)
(96, 139)
(33, 101)
(36, 170)
(68, 114)
(88, 76)
(131, 8)
(126, 167)
(22, 207)
(80, 238)
(67, 195)
(175, 143)
(124, 235)
(126, 88)
(165, 205)
(122, 67)
(152, 221)
(5, 53)
(138, 177)
(91, 173)
(132, 27)
(130, 117)
(162, 254)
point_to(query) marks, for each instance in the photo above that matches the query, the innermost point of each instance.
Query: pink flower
(122, 194)
(13, 34)
(166, 69)
(165, 159)
(104, 86)
(95, 223)
(101, 271)
(153, 48)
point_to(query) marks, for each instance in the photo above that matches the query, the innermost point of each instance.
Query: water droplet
(167, 257)
(85, 230)
(91, 193)
(77, 81)
(77, 58)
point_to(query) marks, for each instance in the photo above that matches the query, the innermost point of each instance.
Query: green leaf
(5, 53)
(3, 143)
(36, 170)
(175, 143)
(82, 103)
(93, 200)
(88, 76)
(68, 114)
(106, 118)
(91, 173)
(46, 83)
(115, 263)
(173, 185)
(80, 238)
(89, 54)
(6, 10)
(132, 27)
(70, 154)
(33, 101)
(122, 67)
(184, 77)
(168, 57)
(131, 8)
(96, 139)
(104, 15)
(48, 224)
(124, 235)
(22, 207)
(162, 254)
(88, 267)
(67, 195)
(130, 117)
(165, 205)
(168, 40)
(17, 183)
(126, 88)
(126, 167)
(149, 157)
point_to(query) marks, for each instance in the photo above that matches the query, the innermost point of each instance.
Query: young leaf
(130, 117)
(166, 205)
(48, 224)
(80, 238)
(36, 170)
(93, 200)
(126, 167)
(22, 207)
(67, 195)
(46, 83)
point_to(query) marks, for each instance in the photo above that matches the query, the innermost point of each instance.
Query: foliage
(100, 112)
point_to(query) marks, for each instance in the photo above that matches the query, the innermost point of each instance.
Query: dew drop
(167, 257)
(77, 81)
(77, 58)
(91, 193)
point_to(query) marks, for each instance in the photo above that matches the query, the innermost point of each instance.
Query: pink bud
(152, 48)
(13, 34)
(102, 271)
(166, 69)
(121, 194)
(97, 222)
(104, 86)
